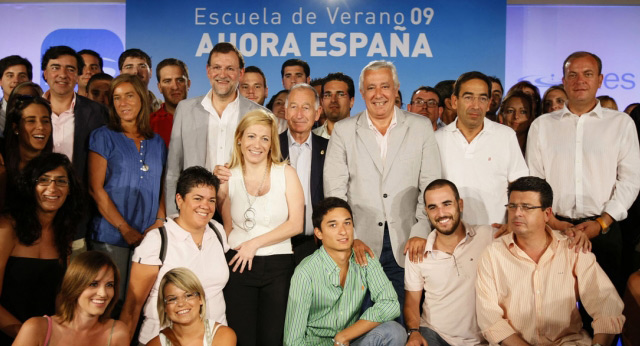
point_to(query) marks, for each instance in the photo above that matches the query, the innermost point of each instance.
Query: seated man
(530, 280)
(328, 287)
(447, 273)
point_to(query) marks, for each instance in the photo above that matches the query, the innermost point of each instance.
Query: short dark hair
(224, 48)
(427, 89)
(323, 207)
(133, 53)
(438, 183)
(94, 53)
(99, 76)
(296, 62)
(467, 76)
(533, 184)
(316, 81)
(339, 76)
(445, 90)
(256, 69)
(13, 60)
(582, 54)
(172, 62)
(195, 176)
(58, 51)
(495, 79)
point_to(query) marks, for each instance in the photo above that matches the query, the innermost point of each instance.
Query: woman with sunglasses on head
(126, 165)
(262, 206)
(189, 239)
(87, 296)
(181, 306)
(35, 240)
(27, 134)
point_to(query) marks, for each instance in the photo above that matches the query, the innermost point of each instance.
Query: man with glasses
(337, 100)
(478, 155)
(426, 102)
(529, 280)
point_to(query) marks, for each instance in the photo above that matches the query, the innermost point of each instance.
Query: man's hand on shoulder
(415, 247)
(360, 249)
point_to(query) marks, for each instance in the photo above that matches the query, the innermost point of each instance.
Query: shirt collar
(394, 120)
(208, 105)
(431, 239)
(181, 233)
(510, 242)
(47, 96)
(488, 126)
(292, 142)
(565, 112)
(331, 267)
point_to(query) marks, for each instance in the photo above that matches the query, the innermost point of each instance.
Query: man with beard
(447, 273)
(337, 100)
(173, 83)
(203, 127)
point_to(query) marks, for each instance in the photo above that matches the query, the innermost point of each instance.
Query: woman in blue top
(126, 163)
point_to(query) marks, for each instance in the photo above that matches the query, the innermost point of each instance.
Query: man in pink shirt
(530, 280)
(447, 273)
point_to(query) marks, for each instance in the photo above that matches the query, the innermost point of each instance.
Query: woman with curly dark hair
(35, 240)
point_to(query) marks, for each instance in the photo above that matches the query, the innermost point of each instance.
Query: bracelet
(337, 343)
(603, 226)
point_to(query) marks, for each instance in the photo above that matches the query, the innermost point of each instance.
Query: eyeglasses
(469, 99)
(44, 181)
(525, 207)
(429, 103)
(171, 300)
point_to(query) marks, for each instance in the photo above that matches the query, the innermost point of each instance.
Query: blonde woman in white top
(262, 206)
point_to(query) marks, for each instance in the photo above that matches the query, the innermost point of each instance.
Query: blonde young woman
(182, 307)
(89, 292)
(262, 206)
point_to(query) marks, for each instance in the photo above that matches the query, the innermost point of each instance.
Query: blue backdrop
(428, 41)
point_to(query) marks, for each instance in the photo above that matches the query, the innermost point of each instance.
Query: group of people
(215, 218)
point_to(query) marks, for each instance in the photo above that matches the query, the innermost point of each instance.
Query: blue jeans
(433, 339)
(387, 334)
(394, 272)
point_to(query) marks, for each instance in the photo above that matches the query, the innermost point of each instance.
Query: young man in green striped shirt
(328, 287)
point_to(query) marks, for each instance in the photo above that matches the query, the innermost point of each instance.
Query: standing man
(478, 155)
(529, 280)
(496, 98)
(203, 127)
(174, 84)
(305, 151)
(426, 102)
(92, 64)
(253, 85)
(73, 117)
(98, 87)
(337, 95)
(445, 90)
(295, 71)
(135, 61)
(590, 156)
(13, 70)
(380, 161)
(446, 272)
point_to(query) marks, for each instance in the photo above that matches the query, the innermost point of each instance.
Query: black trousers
(257, 299)
(303, 246)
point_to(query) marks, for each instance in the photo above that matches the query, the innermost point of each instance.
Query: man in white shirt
(478, 155)
(203, 127)
(590, 157)
(337, 95)
(13, 71)
(305, 152)
(447, 274)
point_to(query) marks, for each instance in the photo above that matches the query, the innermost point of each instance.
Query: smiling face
(336, 230)
(96, 297)
(62, 74)
(51, 198)
(443, 210)
(301, 111)
(127, 102)
(252, 86)
(224, 73)
(181, 307)
(379, 93)
(472, 103)
(255, 143)
(196, 207)
(581, 80)
(35, 128)
(11, 77)
(516, 115)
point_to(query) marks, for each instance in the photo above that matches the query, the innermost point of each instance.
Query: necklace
(250, 213)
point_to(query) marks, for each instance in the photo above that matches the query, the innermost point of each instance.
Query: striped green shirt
(319, 308)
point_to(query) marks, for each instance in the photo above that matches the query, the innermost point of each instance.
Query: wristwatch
(410, 331)
(604, 228)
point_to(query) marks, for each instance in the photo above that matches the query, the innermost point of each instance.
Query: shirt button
(385, 195)
(140, 160)
(140, 177)
(380, 224)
